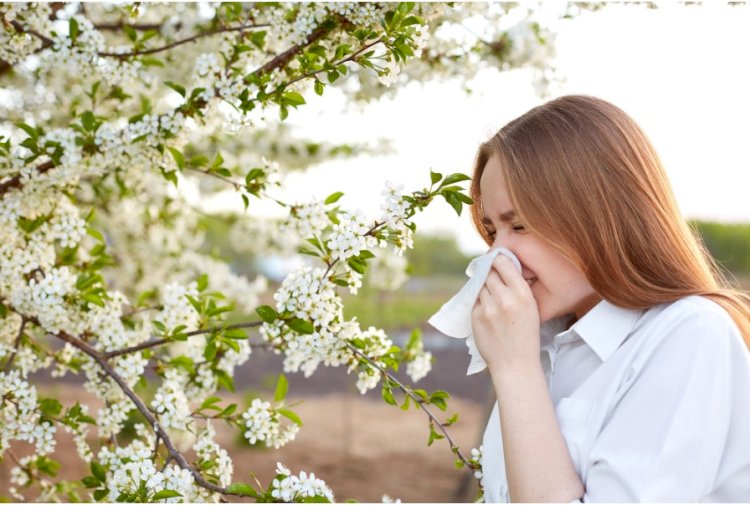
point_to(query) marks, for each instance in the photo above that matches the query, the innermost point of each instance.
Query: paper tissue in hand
(454, 317)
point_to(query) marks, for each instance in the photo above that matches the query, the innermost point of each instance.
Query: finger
(508, 273)
(494, 283)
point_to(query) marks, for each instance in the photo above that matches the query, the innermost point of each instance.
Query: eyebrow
(504, 217)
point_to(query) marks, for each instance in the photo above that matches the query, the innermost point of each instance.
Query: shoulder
(694, 321)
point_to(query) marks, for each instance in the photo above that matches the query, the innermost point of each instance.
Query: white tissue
(454, 317)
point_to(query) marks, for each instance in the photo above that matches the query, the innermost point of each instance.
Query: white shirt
(653, 405)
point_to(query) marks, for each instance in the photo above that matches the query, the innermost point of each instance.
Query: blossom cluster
(15, 45)
(170, 404)
(208, 450)
(132, 467)
(263, 423)
(20, 416)
(419, 362)
(289, 488)
(476, 459)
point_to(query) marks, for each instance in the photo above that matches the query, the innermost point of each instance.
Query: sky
(683, 73)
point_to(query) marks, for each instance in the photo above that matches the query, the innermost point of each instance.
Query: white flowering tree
(108, 113)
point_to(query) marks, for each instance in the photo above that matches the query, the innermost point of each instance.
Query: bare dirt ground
(360, 446)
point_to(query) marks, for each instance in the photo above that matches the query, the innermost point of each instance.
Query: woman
(642, 392)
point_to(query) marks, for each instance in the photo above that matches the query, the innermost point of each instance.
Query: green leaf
(30, 130)
(96, 234)
(405, 406)
(152, 62)
(333, 197)
(50, 407)
(93, 298)
(91, 482)
(315, 499)
(218, 160)
(282, 387)
(366, 255)
(159, 326)
(236, 334)
(267, 313)
(210, 351)
(88, 120)
(178, 157)
(301, 326)
(231, 409)
(202, 282)
(291, 416)
(242, 489)
(73, 29)
(387, 394)
(454, 178)
(209, 402)
(293, 99)
(453, 201)
(356, 265)
(319, 87)
(435, 177)
(225, 380)
(99, 494)
(176, 87)
(166, 493)
(130, 32)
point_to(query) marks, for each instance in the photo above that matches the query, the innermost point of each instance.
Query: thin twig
(141, 309)
(236, 185)
(16, 344)
(351, 57)
(124, 56)
(161, 341)
(15, 182)
(416, 399)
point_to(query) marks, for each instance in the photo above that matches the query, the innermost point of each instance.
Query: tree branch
(173, 452)
(17, 343)
(283, 58)
(416, 399)
(161, 341)
(119, 25)
(124, 56)
(351, 57)
(15, 182)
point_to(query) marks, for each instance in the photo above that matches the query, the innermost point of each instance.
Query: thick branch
(173, 452)
(280, 60)
(161, 341)
(416, 399)
(119, 25)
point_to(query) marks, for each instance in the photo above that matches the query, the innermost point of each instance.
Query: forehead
(494, 191)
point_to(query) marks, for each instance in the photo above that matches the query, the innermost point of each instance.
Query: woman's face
(558, 286)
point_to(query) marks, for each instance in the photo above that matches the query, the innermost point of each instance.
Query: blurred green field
(404, 309)
(437, 264)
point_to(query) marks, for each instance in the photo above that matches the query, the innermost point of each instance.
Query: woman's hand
(505, 318)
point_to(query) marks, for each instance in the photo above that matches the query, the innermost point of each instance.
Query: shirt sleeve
(665, 438)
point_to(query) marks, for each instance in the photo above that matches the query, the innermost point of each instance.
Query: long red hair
(584, 176)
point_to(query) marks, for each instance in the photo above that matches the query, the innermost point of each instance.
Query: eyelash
(515, 227)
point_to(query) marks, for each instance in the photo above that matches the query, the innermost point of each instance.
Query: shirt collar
(603, 328)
